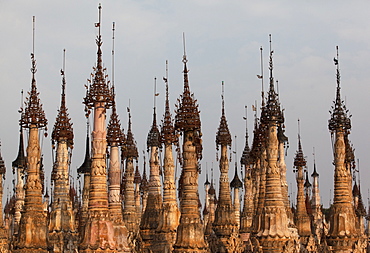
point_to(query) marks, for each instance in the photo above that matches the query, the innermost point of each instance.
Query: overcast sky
(223, 40)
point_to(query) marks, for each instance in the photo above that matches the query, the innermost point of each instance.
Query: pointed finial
(206, 182)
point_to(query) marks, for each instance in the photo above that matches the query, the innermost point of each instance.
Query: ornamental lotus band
(118, 209)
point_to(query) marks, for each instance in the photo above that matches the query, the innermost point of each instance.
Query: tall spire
(187, 123)
(30, 238)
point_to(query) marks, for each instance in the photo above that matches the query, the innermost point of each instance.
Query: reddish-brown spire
(98, 89)
(33, 113)
(63, 126)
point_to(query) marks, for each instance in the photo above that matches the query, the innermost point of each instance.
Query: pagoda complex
(123, 205)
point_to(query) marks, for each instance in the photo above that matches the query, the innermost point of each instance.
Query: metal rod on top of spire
(113, 29)
(261, 77)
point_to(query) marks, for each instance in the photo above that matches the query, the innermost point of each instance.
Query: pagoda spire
(170, 213)
(33, 118)
(62, 216)
(274, 217)
(342, 234)
(99, 97)
(225, 223)
(187, 121)
(151, 216)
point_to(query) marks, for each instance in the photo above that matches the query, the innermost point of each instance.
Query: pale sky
(222, 44)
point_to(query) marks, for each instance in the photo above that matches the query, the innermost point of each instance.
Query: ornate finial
(168, 135)
(97, 90)
(63, 127)
(34, 115)
(129, 150)
(272, 111)
(187, 113)
(153, 139)
(245, 159)
(85, 168)
(299, 160)
(223, 136)
(339, 119)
